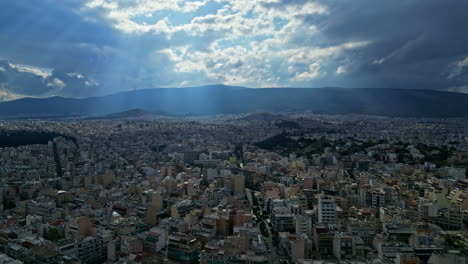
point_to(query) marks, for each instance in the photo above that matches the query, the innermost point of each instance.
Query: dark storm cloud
(64, 37)
(76, 85)
(50, 34)
(19, 82)
(413, 44)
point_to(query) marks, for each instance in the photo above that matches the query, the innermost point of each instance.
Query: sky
(82, 48)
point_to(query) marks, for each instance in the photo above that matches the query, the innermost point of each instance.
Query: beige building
(239, 184)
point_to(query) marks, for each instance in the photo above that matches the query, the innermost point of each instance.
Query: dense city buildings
(258, 188)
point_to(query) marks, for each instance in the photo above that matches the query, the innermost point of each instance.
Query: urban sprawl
(258, 188)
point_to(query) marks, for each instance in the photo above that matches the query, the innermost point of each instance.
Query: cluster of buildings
(198, 190)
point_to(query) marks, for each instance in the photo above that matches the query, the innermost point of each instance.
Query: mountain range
(222, 99)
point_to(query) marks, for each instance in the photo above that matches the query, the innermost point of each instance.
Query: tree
(10, 204)
(53, 234)
(204, 183)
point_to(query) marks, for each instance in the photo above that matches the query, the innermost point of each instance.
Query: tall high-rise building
(154, 204)
(326, 210)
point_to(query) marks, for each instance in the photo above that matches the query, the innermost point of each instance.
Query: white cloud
(459, 65)
(306, 54)
(379, 61)
(340, 70)
(91, 82)
(234, 19)
(76, 75)
(184, 84)
(459, 89)
(121, 12)
(192, 6)
(189, 66)
(248, 42)
(233, 65)
(56, 83)
(313, 73)
(44, 73)
(463, 63)
(6, 95)
(260, 64)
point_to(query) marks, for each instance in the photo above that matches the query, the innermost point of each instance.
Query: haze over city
(233, 132)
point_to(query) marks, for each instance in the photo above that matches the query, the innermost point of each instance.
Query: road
(272, 256)
(271, 252)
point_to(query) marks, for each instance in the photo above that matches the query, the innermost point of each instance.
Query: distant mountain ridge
(262, 117)
(222, 99)
(129, 114)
